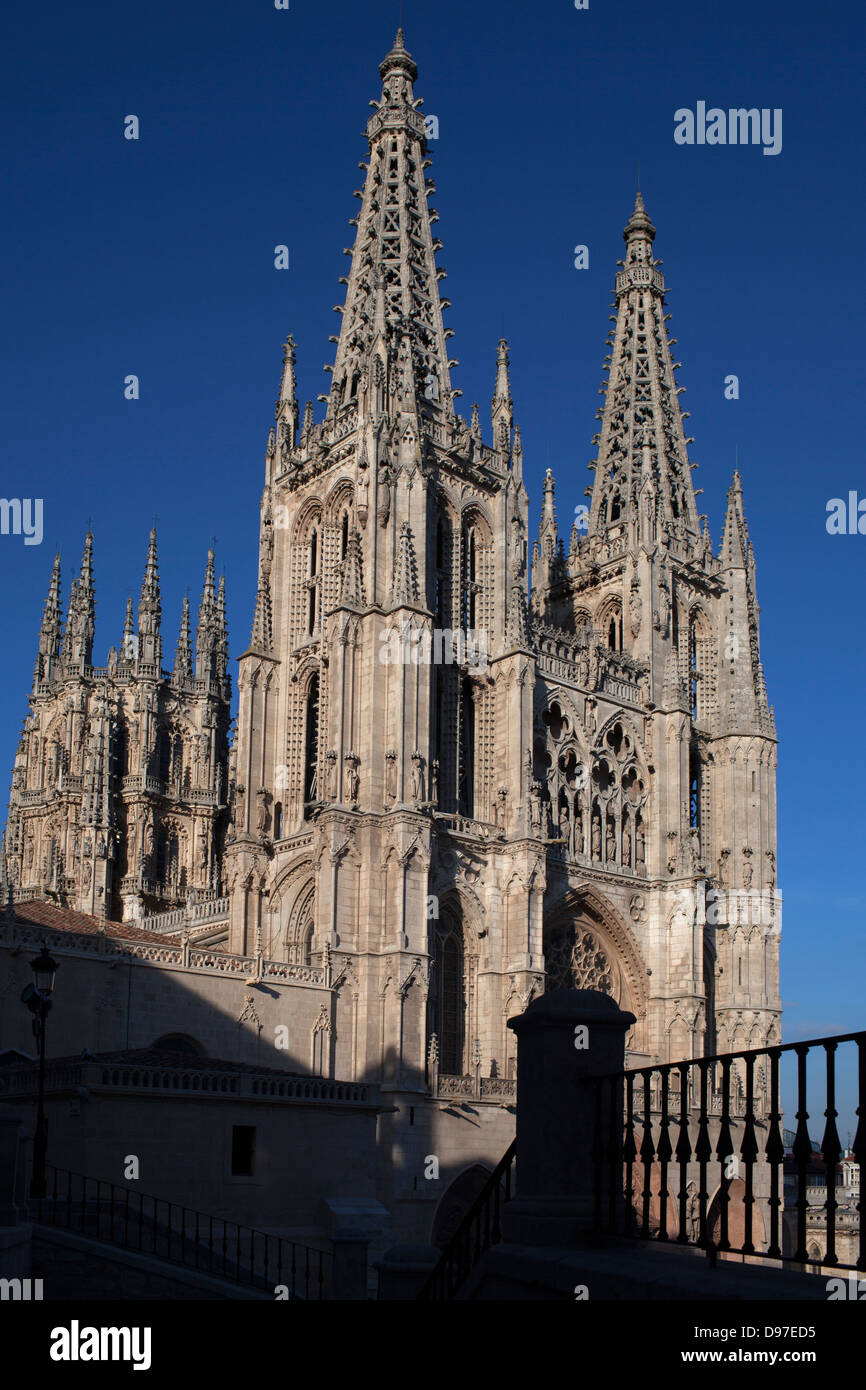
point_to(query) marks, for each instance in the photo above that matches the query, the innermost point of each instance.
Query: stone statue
(261, 810)
(332, 775)
(391, 773)
(434, 782)
(596, 838)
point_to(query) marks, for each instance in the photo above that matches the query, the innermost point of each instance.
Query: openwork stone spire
(51, 627)
(183, 657)
(392, 318)
(206, 631)
(81, 619)
(150, 608)
(642, 470)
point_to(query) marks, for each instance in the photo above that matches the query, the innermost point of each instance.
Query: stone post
(10, 1126)
(350, 1264)
(565, 1038)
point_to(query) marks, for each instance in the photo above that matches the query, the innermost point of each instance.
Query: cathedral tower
(120, 787)
(450, 791)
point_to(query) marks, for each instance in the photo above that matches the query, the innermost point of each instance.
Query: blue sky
(155, 257)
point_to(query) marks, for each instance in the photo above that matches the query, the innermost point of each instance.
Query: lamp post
(37, 997)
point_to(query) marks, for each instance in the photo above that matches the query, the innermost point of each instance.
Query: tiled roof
(43, 914)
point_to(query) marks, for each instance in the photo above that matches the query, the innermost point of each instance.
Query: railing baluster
(684, 1153)
(614, 1138)
(703, 1153)
(749, 1153)
(647, 1151)
(664, 1155)
(832, 1151)
(775, 1153)
(802, 1151)
(725, 1152)
(629, 1150)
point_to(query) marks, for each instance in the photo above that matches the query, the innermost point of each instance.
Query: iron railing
(731, 1097)
(132, 1220)
(478, 1230)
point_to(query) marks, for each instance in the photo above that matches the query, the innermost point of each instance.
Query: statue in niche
(351, 781)
(611, 843)
(363, 489)
(640, 846)
(332, 775)
(415, 777)
(202, 850)
(723, 867)
(634, 607)
(747, 869)
(596, 838)
(583, 668)
(626, 847)
(86, 873)
(535, 805)
(501, 798)
(28, 852)
(664, 611)
(261, 810)
(434, 782)
(384, 495)
(695, 848)
(516, 546)
(391, 773)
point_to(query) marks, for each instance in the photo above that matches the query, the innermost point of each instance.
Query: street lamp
(37, 997)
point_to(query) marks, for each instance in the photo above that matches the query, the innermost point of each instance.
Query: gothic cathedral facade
(464, 769)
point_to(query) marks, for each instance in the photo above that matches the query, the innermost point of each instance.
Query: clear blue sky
(156, 258)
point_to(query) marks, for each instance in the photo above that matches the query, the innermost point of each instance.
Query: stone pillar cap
(573, 1005)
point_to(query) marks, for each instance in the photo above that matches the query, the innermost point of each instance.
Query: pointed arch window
(467, 748)
(313, 581)
(614, 630)
(449, 996)
(699, 658)
(311, 743)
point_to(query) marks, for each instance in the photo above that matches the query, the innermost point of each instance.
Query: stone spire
(81, 619)
(392, 293)
(404, 589)
(129, 641)
(50, 629)
(183, 657)
(517, 457)
(742, 686)
(206, 633)
(642, 446)
(548, 534)
(222, 630)
(150, 609)
(735, 535)
(287, 404)
(502, 408)
(262, 637)
(352, 592)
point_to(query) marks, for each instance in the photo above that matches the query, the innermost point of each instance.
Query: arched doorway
(456, 1201)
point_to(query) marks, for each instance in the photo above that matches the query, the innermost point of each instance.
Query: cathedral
(467, 766)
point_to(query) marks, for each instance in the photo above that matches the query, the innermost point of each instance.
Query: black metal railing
(478, 1230)
(728, 1130)
(132, 1220)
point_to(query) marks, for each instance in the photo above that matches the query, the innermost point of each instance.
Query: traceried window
(449, 1003)
(313, 567)
(311, 743)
